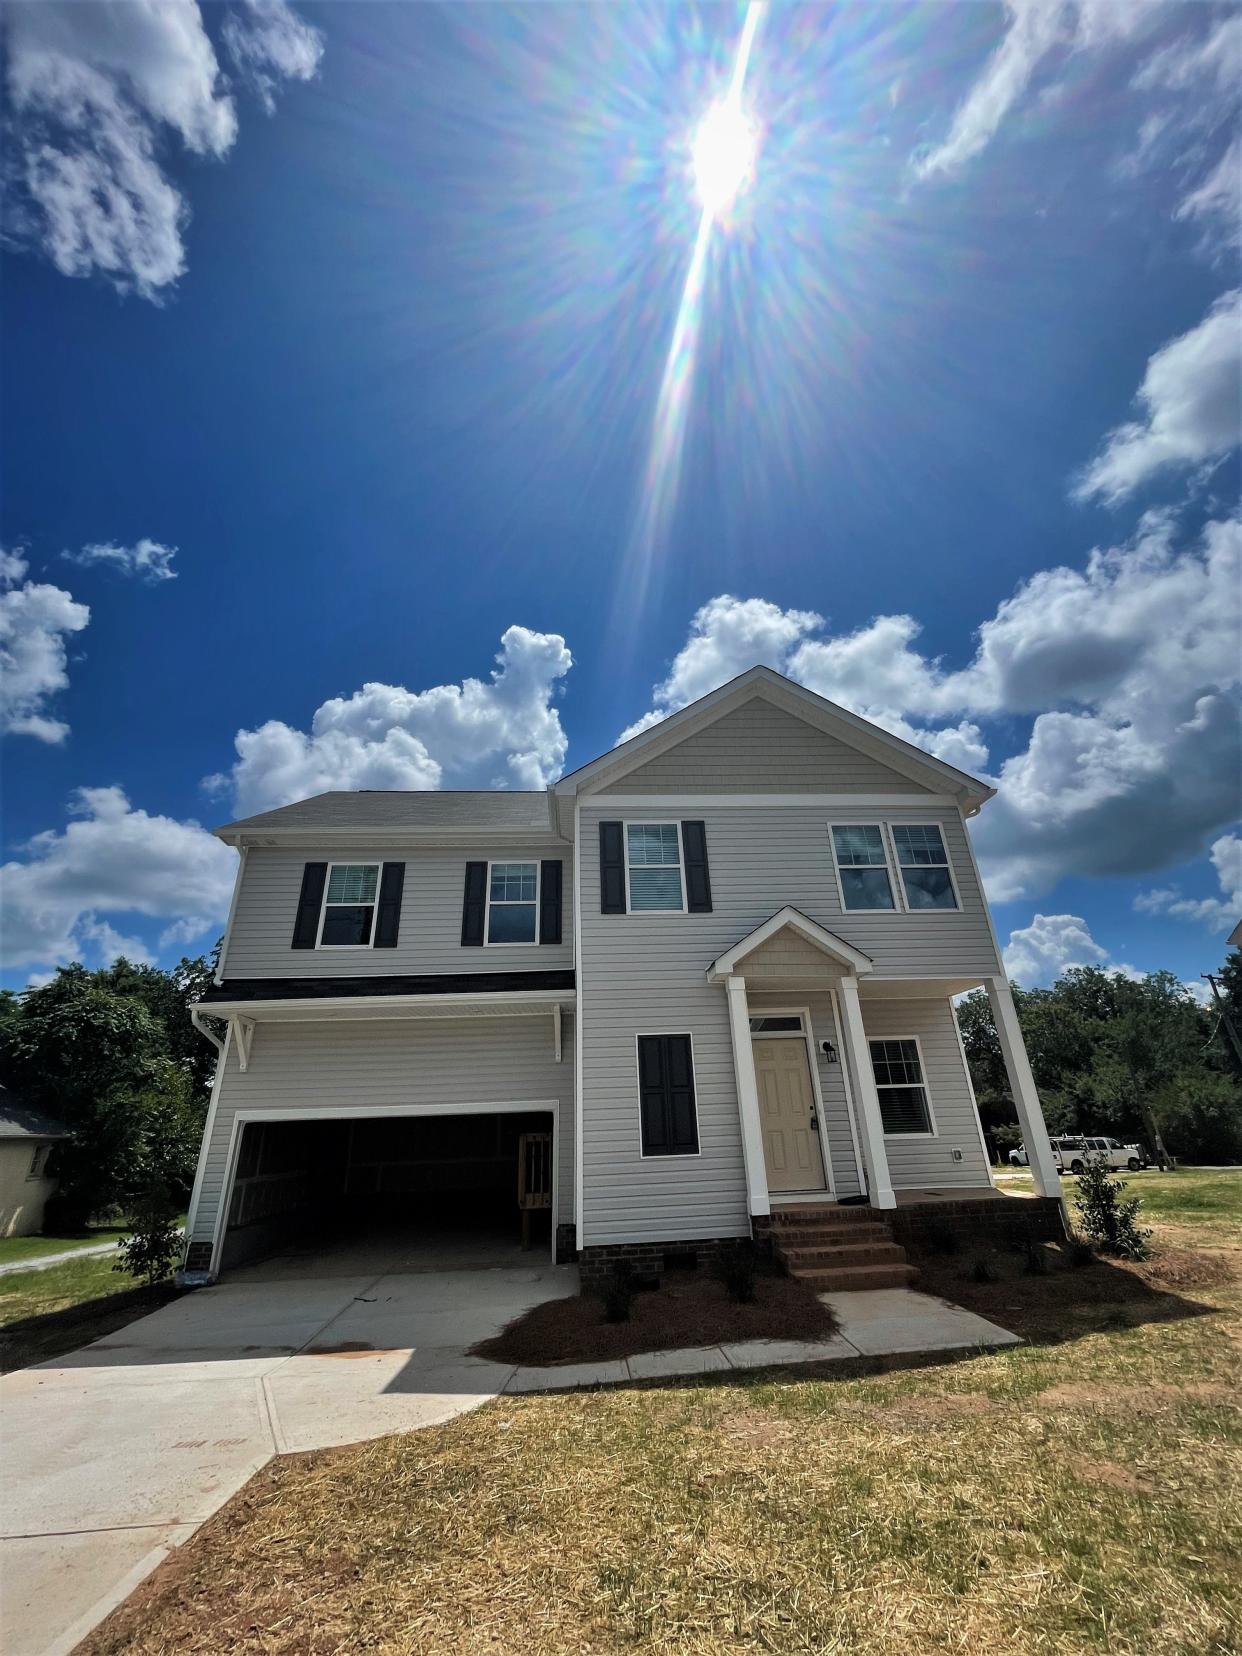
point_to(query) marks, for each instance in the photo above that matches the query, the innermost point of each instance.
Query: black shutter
(666, 1096)
(611, 868)
(388, 919)
(550, 902)
(474, 905)
(310, 901)
(698, 880)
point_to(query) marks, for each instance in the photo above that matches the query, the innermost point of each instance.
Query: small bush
(1080, 1252)
(153, 1247)
(1036, 1260)
(981, 1271)
(737, 1271)
(1109, 1221)
(618, 1295)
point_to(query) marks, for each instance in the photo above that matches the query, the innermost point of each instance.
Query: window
(924, 866)
(900, 1084)
(668, 1120)
(653, 867)
(512, 902)
(862, 865)
(777, 1025)
(349, 906)
(38, 1161)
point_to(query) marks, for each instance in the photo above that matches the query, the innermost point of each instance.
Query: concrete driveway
(114, 1454)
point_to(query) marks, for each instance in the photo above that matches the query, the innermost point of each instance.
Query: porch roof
(835, 948)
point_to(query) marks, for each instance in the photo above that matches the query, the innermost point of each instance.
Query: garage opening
(422, 1192)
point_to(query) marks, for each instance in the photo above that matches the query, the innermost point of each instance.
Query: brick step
(818, 1236)
(800, 1259)
(795, 1218)
(842, 1278)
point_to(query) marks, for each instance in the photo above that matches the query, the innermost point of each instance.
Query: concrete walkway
(115, 1454)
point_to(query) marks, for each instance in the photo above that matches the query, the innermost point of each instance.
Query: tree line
(1140, 1060)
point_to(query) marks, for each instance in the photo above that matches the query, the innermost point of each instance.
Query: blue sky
(364, 311)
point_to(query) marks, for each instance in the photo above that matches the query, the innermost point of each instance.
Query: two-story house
(710, 975)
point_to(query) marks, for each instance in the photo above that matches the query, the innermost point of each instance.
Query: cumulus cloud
(504, 732)
(110, 859)
(93, 92)
(1191, 408)
(1220, 913)
(1040, 952)
(1129, 669)
(35, 620)
(148, 560)
(268, 43)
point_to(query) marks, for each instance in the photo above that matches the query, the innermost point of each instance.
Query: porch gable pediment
(789, 920)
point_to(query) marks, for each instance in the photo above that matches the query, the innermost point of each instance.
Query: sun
(724, 151)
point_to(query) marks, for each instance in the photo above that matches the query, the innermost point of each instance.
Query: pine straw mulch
(1058, 1499)
(690, 1311)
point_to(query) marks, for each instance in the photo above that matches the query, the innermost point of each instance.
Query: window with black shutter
(667, 1113)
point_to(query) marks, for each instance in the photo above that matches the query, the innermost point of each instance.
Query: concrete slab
(658, 1365)
(759, 1353)
(93, 1573)
(568, 1376)
(885, 1321)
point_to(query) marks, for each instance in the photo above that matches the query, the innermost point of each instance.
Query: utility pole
(1226, 1016)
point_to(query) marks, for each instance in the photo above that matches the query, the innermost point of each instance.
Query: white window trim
(807, 1035)
(653, 822)
(891, 838)
(893, 866)
(324, 905)
(677, 1155)
(888, 865)
(511, 862)
(38, 1163)
(882, 1087)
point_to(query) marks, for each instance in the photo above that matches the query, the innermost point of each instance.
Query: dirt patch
(915, 1413)
(697, 1312)
(1114, 1476)
(1186, 1268)
(1138, 1400)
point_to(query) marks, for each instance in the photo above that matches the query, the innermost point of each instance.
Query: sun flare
(724, 151)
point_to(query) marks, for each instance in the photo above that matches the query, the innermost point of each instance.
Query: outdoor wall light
(829, 1052)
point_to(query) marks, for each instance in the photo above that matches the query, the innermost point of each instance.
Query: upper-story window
(924, 865)
(862, 864)
(653, 867)
(512, 902)
(349, 906)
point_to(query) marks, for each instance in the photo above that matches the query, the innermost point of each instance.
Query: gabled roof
(19, 1120)
(762, 682)
(791, 919)
(431, 811)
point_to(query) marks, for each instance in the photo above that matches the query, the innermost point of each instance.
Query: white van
(1073, 1153)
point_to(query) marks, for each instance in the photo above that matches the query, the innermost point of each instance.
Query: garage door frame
(550, 1106)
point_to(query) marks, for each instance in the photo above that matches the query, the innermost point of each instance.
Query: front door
(791, 1145)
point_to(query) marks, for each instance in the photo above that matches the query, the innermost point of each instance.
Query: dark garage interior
(477, 1184)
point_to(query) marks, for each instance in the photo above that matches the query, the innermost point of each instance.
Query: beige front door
(791, 1146)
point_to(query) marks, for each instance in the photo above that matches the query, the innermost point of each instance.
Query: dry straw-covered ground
(1080, 1493)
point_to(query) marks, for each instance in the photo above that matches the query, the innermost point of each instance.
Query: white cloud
(93, 90)
(147, 559)
(35, 620)
(1193, 59)
(1130, 668)
(1040, 952)
(96, 936)
(501, 733)
(185, 931)
(1220, 913)
(110, 859)
(1191, 407)
(269, 42)
(1217, 199)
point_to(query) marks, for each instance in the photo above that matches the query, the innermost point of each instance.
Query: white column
(747, 1096)
(1022, 1086)
(870, 1126)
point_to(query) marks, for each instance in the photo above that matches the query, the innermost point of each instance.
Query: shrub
(737, 1271)
(618, 1295)
(1036, 1260)
(1109, 1221)
(1080, 1252)
(154, 1244)
(981, 1271)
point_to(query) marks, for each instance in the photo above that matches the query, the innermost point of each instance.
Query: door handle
(814, 1119)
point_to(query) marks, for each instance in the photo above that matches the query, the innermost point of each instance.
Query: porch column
(1022, 1086)
(747, 1096)
(870, 1125)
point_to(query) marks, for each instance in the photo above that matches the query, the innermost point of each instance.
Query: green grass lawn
(1189, 1197)
(13, 1249)
(1079, 1493)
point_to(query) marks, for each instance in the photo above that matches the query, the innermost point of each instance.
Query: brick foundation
(1013, 1219)
(648, 1261)
(566, 1244)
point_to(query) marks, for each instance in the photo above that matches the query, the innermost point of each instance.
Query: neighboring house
(27, 1140)
(715, 966)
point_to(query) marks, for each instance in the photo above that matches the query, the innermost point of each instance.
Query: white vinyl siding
(917, 1162)
(429, 939)
(361, 1068)
(761, 747)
